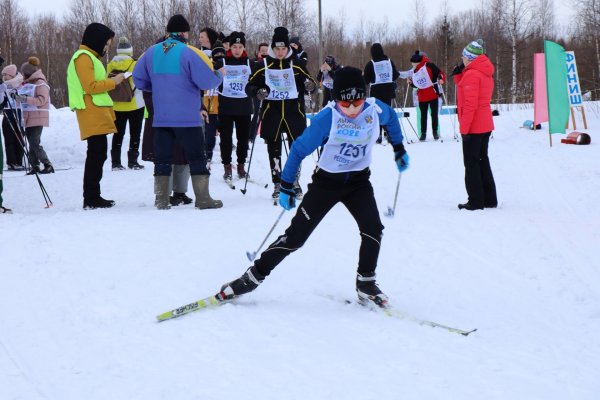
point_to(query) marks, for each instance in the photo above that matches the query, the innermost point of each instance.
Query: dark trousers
(327, 96)
(135, 119)
(13, 140)
(192, 141)
(381, 127)
(355, 192)
(423, 106)
(479, 180)
(242, 133)
(97, 148)
(210, 134)
(274, 151)
(37, 153)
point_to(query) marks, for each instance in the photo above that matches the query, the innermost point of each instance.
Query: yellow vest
(76, 91)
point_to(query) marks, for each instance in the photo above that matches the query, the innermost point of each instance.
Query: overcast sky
(397, 11)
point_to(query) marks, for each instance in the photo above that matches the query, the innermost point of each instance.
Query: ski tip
(469, 332)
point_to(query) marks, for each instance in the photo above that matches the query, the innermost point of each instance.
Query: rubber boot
(203, 199)
(161, 190)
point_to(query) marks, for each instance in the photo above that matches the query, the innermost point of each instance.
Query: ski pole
(252, 255)
(255, 133)
(391, 211)
(448, 110)
(16, 128)
(404, 113)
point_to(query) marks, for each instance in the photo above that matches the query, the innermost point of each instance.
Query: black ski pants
(97, 148)
(136, 119)
(242, 132)
(479, 180)
(13, 140)
(355, 192)
(423, 106)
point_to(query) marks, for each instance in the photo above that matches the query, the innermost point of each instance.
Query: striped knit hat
(473, 49)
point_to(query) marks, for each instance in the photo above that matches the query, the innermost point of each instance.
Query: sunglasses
(347, 103)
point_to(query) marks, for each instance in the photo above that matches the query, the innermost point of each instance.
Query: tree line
(513, 30)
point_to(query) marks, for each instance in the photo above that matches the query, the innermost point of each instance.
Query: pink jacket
(475, 86)
(41, 100)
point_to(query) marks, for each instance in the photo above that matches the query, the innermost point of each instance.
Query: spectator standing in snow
(175, 73)
(325, 78)
(88, 96)
(298, 49)
(3, 88)
(426, 78)
(34, 100)
(342, 176)
(235, 107)
(131, 111)
(210, 105)
(13, 139)
(475, 86)
(381, 73)
(279, 83)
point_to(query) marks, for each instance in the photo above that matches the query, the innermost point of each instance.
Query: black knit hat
(178, 23)
(281, 37)
(417, 57)
(237, 37)
(95, 37)
(213, 35)
(349, 84)
(377, 51)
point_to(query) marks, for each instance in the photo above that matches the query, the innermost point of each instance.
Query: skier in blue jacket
(348, 129)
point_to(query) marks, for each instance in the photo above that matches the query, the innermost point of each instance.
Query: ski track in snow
(80, 289)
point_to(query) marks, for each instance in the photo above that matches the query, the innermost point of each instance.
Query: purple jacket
(175, 73)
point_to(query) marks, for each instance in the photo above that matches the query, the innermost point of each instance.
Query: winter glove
(287, 197)
(21, 98)
(458, 69)
(310, 86)
(262, 94)
(401, 157)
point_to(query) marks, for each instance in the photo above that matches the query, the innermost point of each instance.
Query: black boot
(48, 169)
(99, 202)
(368, 291)
(33, 170)
(135, 165)
(182, 198)
(242, 285)
(468, 206)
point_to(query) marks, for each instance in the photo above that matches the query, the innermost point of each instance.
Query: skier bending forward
(350, 127)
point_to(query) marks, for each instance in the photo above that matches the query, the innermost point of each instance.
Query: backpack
(122, 93)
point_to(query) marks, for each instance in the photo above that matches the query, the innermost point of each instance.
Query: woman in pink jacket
(475, 85)
(34, 97)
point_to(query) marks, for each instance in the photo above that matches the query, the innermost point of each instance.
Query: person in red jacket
(475, 85)
(426, 78)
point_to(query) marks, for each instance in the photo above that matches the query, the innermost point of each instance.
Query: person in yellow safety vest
(88, 97)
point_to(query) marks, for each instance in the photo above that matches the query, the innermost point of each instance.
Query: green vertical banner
(556, 82)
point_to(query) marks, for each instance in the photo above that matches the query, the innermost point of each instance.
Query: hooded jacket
(475, 86)
(40, 99)
(384, 91)
(126, 63)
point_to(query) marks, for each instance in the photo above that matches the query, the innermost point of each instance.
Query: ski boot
(242, 285)
(275, 195)
(369, 293)
(241, 171)
(228, 174)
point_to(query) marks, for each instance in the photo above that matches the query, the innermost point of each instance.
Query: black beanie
(280, 37)
(178, 23)
(213, 36)
(377, 51)
(95, 37)
(237, 37)
(349, 84)
(417, 57)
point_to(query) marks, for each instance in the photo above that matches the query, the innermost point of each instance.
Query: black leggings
(423, 106)
(355, 192)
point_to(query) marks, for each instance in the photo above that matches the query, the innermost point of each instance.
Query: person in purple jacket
(175, 73)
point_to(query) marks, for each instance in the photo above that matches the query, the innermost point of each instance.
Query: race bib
(383, 71)
(235, 80)
(281, 83)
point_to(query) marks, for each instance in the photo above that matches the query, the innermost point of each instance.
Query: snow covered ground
(79, 290)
